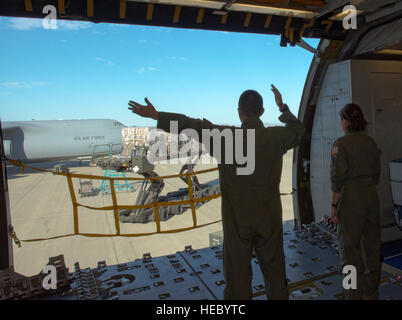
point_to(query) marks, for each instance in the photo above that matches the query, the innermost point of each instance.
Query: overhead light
(390, 51)
(343, 14)
(273, 10)
(220, 12)
(238, 7)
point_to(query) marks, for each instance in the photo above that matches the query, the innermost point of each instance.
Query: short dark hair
(354, 115)
(250, 103)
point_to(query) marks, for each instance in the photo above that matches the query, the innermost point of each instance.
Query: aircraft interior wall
(376, 86)
(7, 148)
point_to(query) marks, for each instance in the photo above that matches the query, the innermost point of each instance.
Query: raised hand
(147, 111)
(278, 96)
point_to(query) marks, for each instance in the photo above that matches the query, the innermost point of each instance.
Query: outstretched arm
(289, 136)
(164, 118)
(278, 99)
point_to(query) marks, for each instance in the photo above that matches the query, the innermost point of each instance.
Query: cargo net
(150, 206)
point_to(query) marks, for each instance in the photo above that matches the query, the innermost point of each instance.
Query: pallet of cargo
(86, 188)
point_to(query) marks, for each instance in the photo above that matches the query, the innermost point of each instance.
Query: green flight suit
(251, 204)
(355, 173)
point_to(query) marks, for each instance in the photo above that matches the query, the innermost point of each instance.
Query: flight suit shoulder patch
(335, 150)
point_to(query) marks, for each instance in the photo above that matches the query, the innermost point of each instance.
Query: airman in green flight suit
(355, 173)
(251, 205)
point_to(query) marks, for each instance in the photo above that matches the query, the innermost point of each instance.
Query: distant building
(135, 135)
(138, 137)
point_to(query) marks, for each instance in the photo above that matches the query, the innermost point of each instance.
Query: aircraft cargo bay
(145, 231)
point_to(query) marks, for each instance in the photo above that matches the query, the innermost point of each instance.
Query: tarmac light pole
(5, 221)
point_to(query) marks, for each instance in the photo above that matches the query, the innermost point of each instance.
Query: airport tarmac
(41, 207)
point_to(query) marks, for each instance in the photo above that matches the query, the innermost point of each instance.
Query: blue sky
(90, 71)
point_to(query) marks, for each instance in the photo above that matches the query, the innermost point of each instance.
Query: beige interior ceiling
(306, 9)
(295, 8)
